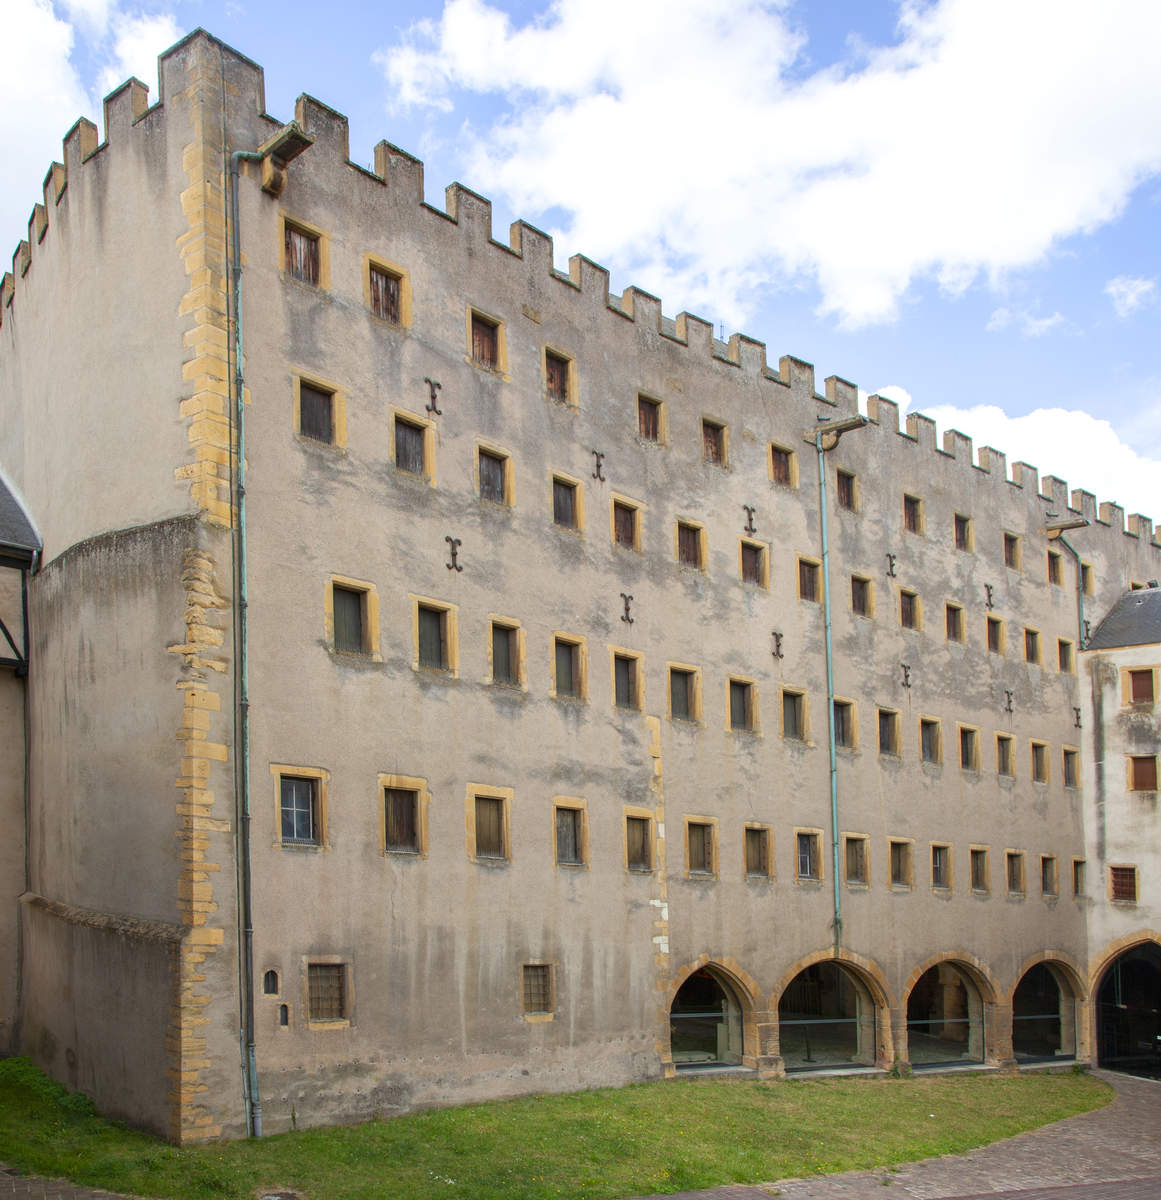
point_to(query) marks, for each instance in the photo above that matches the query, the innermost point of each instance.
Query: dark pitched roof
(18, 539)
(1135, 620)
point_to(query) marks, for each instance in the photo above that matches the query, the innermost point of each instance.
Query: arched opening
(705, 1023)
(1043, 1016)
(1128, 1008)
(826, 1019)
(945, 1018)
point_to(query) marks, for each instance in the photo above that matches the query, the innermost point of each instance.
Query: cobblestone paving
(1111, 1154)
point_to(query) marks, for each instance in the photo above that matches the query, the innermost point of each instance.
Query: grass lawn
(613, 1143)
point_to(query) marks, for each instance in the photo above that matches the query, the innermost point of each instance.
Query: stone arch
(951, 1011)
(1123, 1012)
(1036, 1035)
(868, 1002)
(743, 1029)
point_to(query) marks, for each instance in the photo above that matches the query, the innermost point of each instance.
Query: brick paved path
(12, 1184)
(1111, 1154)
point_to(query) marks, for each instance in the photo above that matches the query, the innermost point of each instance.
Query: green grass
(598, 1145)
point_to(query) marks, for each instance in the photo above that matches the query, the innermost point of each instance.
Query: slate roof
(1135, 620)
(17, 536)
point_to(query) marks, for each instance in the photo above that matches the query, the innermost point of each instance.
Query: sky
(954, 203)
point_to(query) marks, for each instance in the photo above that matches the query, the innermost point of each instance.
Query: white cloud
(137, 41)
(1028, 325)
(1128, 293)
(682, 148)
(1072, 445)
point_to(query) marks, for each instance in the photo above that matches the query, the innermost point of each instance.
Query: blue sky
(955, 202)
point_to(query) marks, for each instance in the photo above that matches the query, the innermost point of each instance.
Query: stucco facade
(529, 765)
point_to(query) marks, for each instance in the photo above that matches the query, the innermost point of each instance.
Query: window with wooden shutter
(564, 511)
(568, 836)
(781, 466)
(979, 870)
(567, 661)
(386, 289)
(1048, 884)
(953, 622)
(969, 749)
(485, 342)
(504, 654)
(1143, 772)
(401, 820)
(793, 715)
(1015, 862)
(1141, 687)
(753, 563)
(556, 377)
(900, 862)
(929, 741)
(348, 607)
(1039, 762)
(757, 849)
(302, 255)
(681, 700)
(909, 610)
(912, 514)
(688, 545)
(638, 843)
(860, 596)
(808, 579)
(625, 681)
(713, 443)
(995, 635)
(700, 848)
(855, 860)
(492, 481)
(624, 525)
(432, 637)
(316, 413)
(1031, 646)
(1004, 760)
(845, 490)
(648, 419)
(888, 731)
(844, 723)
(409, 447)
(490, 840)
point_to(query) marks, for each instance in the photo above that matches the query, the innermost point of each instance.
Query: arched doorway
(945, 1018)
(826, 1019)
(705, 1023)
(1043, 1016)
(1128, 1007)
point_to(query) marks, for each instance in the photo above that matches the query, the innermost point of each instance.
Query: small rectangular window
(682, 705)
(536, 988)
(348, 612)
(568, 668)
(782, 466)
(979, 870)
(1004, 759)
(1031, 646)
(741, 705)
(941, 867)
(855, 860)
(807, 855)
(316, 413)
(1143, 772)
(929, 741)
(1015, 861)
(1048, 883)
(569, 846)
(845, 490)
(1064, 659)
(299, 805)
(808, 579)
(1141, 687)
(900, 856)
(493, 481)
(757, 849)
(860, 596)
(639, 843)
(625, 681)
(1055, 573)
(401, 820)
(385, 295)
(1039, 762)
(485, 342)
(556, 377)
(963, 532)
(969, 749)
(689, 551)
(505, 657)
(433, 638)
(909, 609)
(564, 507)
(1123, 884)
(409, 439)
(912, 514)
(713, 443)
(1012, 551)
(953, 622)
(491, 839)
(624, 525)
(889, 732)
(844, 723)
(302, 254)
(793, 715)
(1071, 765)
(326, 991)
(995, 635)
(1078, 877)
(754, 563)
(699, 845)
(648, 419)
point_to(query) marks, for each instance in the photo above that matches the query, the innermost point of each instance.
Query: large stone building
(480, 739)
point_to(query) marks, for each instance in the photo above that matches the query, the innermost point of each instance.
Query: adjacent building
(506, 716)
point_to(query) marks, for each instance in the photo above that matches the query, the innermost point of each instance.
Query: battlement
(199, 67)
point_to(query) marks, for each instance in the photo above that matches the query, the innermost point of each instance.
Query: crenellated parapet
(400, 178)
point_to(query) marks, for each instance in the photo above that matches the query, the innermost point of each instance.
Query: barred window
(1123, 884)
(327, 991)
(537, 988)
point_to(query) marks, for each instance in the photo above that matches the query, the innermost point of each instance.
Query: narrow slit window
(302, 255)
(1015, 862)
(1011, 551)
(1078, 877)
(270, 983)
(385, 295)
(963, 532)
(844, 723)
(1048, 884)
(1055, 568)
(969, 749)
(401, 820)
(316, 413)
(1039, 762)
(1071, 765)
(1031, 646)
(900, 861)
(929, 741)
(912, 514)
(995, 635)
(1004, 759)
(1064, 659)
